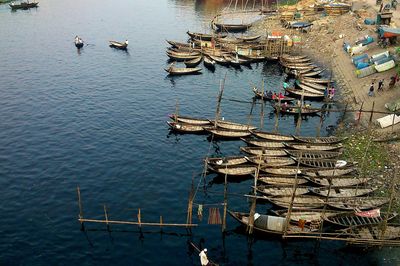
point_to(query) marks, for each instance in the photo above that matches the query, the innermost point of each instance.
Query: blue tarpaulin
(386, 32)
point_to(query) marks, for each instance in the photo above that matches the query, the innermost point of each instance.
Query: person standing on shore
(371, 90)
(380, 85)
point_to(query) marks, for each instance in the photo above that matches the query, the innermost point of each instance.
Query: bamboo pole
(140, 224)
(80, 206)
(161, 224)
(250, 224)
(190, 205)
(139, 218)
(106, 216)
(225, 201)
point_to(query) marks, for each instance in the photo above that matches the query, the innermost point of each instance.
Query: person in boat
(280, 96)
(268, 94)
(76, 39)
(203, 258)
(285, 85)
(126, 42)
(274, 96)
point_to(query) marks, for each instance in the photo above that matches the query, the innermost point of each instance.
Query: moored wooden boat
(236, 170)
(24, 5)
(248, 38)
(232, 125)
(281, 190)
(304, 94)
(119, 45)
(229, 160)
(319, 140)
(182, 56)
(293, 57)
(295, 110)
(205, 36)
(371, 217)
(346, 192)
(331, 172)
(339, 181)
(309, 89)
(182, 71)
(281, 180)
(313, 146)
(324, 163)
(372, 235)
(301, 202)
(311, 85)
(219, 59)
(313, 73)
(231, 27)
(268, 224)
(316, 80)
(307, 215)
(265, 97)
(308, 154)
(190, 120)
(354, 203)
(179, 44)
(263, 143)
(271, 136)
(262, 151)
(185, 128)
(208, 62)
(227, 133)
(271, 161)
(282, 170)
(194, 62)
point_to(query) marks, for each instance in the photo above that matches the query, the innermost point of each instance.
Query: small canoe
(311, 85)
(331, 172)
(342, 192)
(282, 170)
(231, 27)
(182, 71)
(182, 56)
(316, 80)
(259, 94)
(263, 143)
(204, 36)
(185, 128)
(308, 215)
(190, 120)
(314, 146)
(294, 110)
(262, 151)
(271, 161)
(118, 45)
(271, 136)
(305, 94)
(296, 65)
(293, 57)
(294, 61)
(281, 190)
(227, 133)
(219, 59)
(179, 44)
(232, 125)
(208, 62)
(312, 73)
(361, 203)
(229, 160)
(23, 5)
(236, 170)
(248, 38)
(281, 180)
(194, 62)
(310, 89)
(339, 181)
(319, 140)
(324, 163)
(301, 202)
(360, 218)
(307, 154)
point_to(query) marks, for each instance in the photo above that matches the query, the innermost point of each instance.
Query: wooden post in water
(139, 217)
(225, 202)
(372, 113)
(106, 216)
(262, 106)
(161, 224)
(190, 205)
(80, 207)
(250, 225)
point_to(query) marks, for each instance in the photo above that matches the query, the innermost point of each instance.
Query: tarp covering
(388, 120)
(387, 32)
(272, 223)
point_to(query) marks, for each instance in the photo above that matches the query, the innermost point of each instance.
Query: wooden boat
(319, 140)
(316, 80)
(193, 62)
(324, 163)
(301, 202)
(248, 38)
(119, 45)
(265, 97)
(282, 170)
(185, 128)
(227, 133)
(263, 143)
(270, 161)
(24, 5)
(296, 65)
(185, 52)
(306, 154)
(342, 192)
(299, 67)
(294, 61)
(294, 110)
(271, 136)
(268, 224)
(223, 161)
(361, 203)
(232, 125)
(208, 62)
(179, 44)
(281, 180)
(255, 58)
(235, 61)
(340, 181)
(240, 169)
(219, 59)
(310, 90)
(182, 71)
(305, 94)
(78, 42)
(262, 151)
(181, 56)
(288, 57)
(308, 215)
(372, 235)
(313, 73)
(331, 172)
(205, 36)
(348, 219)
(231, 27)
(313, 146)
(190, 120)
(281, 190)
(311, 85)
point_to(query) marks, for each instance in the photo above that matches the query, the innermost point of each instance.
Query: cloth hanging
(200, 212)
(214, 216)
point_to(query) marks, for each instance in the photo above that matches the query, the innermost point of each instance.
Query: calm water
(97, 119)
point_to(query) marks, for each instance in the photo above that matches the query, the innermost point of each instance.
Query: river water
(96, 119)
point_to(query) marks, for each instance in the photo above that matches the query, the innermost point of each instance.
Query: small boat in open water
(182, 71)
(119, 45)
(23, 5)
